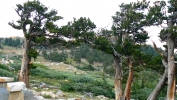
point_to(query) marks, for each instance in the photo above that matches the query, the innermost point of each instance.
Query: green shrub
(67, 87)
(41, 66)
(86, 68)
(88, 84)
(52, 74)
(6, 73)
(75, 83)
(81, 79)
(4, 67)
(16, 66)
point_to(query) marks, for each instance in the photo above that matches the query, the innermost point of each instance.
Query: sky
(99, 11)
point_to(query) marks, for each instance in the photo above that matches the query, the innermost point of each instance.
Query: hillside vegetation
(81, 69)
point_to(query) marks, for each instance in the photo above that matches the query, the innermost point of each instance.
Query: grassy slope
(52, 69)
(144, 81)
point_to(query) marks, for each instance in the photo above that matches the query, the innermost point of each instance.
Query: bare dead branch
(115, 52)
(160, 52)
(18, 13)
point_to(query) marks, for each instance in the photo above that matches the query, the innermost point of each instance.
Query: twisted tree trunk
(161, 84)
(129, 80)
(171, 69)
(118, 78)
(25, 69)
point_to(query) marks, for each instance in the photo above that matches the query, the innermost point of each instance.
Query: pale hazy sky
(99, 11)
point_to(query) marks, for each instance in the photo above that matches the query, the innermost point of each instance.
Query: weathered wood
(171, 69)
(118, 78)
(129, 80)
(161, 84)
(25, 70)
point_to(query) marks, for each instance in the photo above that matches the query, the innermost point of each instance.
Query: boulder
(102, 97)
(4, 94)
(39, 97)
(46, 93)
(50, 93)
(28, 95)
(60, 93)
(42, 85)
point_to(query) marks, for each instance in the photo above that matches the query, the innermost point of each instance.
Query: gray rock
(4, 94)
(28, 95)
(60, 93)
(39, 98)
(72, 99)
(102, 97)
(42, 85)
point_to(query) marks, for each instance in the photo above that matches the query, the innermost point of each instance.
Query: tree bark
(118, 78)
(171, 69)
(161, 84)
(25, 69)
(129, 80)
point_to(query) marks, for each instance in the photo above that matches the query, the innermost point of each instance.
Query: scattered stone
(46, 88)
(50, 93)
(60, 93)
(74, 99)
(33, 85)
(39, 97)
(34, 88)
(42, 85)
(89, 94)
(36, 93)
(102, 97)
(4, 94)
(28, 95)
(53, 87)
(46, 92)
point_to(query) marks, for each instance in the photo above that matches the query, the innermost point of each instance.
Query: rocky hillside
(57, 80)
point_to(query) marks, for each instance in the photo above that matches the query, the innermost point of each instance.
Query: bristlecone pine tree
(39, 29)
(37, 24)
(163, 13)
(124, 41)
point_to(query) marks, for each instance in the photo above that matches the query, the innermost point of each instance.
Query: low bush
(52, 74)
(5, 72)
(41, 66)
(16, 66)
(80, 79)
(4, 67)
(76, 83)
(86, 68)
(82, 83)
